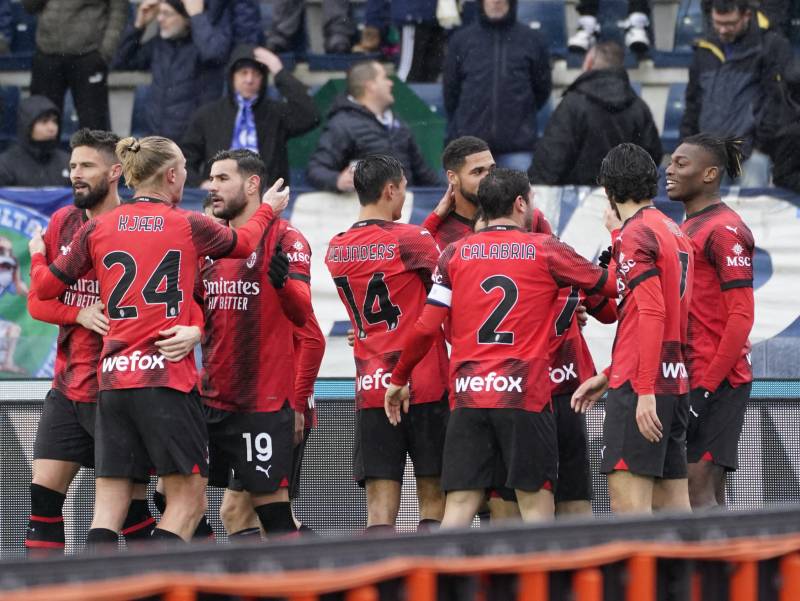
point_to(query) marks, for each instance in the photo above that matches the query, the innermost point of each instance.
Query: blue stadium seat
(9, 98)
(676, 104)
(23, 41)
(689, 25)
(138, 120)
(546, 17)
(69, 120)
(431, 94)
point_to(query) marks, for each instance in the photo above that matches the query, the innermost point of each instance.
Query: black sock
(306, 531)
(428, 525)
(139, 523)
(276, 518)
(45, 533)
(245, 535)
(203, 530)
(160, 501)
(165, 536)
(380, 529)
(101, 539)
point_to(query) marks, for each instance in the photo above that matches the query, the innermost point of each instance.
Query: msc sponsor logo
(625, 265)
(379, 379)
(563, 373)
(492, 382)
(674, 370)
(135, 362)
(299, 257)
(738, 260)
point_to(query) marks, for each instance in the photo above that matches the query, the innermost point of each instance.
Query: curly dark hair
(726, 152)
(498, 191)
(628, 173)
(456, 152)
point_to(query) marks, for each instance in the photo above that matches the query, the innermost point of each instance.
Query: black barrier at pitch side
(331, 503)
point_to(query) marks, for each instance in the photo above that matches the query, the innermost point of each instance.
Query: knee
(233, 512)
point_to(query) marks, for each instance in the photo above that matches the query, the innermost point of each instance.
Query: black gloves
(605, 258)
(278, 268)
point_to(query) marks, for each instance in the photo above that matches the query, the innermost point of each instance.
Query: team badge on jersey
(251, 260)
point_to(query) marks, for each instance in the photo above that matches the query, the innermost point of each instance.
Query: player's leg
(238, 516)
(536, 506)
(186, 506)
(468, 465)
(461, 506)
(671, 494)
(630, 493)
(425, 431)
(112, 497)
(503, 510)
(294, 480)
(573, 490)
(139, 523)
(63, 444)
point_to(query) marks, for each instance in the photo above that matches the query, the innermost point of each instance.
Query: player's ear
(115, 172)
(253, 184)
(452, 178)
(710, 174)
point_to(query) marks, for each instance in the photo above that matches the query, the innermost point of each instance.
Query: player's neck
(375, 211)
(110, 202)
(697, 204)
(249, 209)
(465, 208)
(629, 209)
(503, 221)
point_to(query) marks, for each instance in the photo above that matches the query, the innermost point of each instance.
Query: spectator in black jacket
(35, 160)
(361, 124)
(247, 118)
(732, 73)
(782, 129)
(597, 112)
(186, 58)
(496, 77)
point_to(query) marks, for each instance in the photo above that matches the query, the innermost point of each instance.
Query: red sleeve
(432, 223)
(740, 307)
(51, 311)
(636, 252)
(540, 224)
(50, 281)
(295, 299)
(309, 348)
(652, 315)
(730, 250)
(419, 253)
(214, 240)
(602, 308)
(568, 268)
(419, 341)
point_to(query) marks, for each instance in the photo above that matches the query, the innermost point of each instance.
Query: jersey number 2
(377, 292)
(488, 334)
(170, 295)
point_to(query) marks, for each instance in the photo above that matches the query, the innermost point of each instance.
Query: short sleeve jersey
(78, 349)
(382, 271)
(723, 251)
(145, 254)
(500, 285)
(248, 342)
(649, 245)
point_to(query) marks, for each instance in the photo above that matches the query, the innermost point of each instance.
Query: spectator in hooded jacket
(361, 124)
(732, 72)
(782, 129)
(75, 43)
(186, 58)
(496, 77)
(247, 118)
(597, 112)
(35, 160)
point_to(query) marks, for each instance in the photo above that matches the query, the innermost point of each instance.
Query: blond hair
(145, 159)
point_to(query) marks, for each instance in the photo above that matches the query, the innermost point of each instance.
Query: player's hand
(647, 418)
(146, 13)
(351, 337)
(604, 260)
(193, 7)
(178, 341)
(36, 243)
(278, 268)
(582, 315)
(275, 197)
(269, 59)
(446, 203)
(611, 220)
(344, 183)
(588, 393)
(299, 427)
(92, 318)
(397, 397)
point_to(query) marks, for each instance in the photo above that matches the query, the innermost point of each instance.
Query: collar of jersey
(366, 222)
(143, 199)
(502, 228)
(462, 219)
(708, 209)
(636, 215)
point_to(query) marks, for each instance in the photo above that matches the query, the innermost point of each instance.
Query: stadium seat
(23, 41)
(546, 17)
(689, 25)
(672, 116)
(138, 120)
(9, 99)
(431, 94)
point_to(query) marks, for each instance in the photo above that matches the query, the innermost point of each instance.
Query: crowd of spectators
(211, 64)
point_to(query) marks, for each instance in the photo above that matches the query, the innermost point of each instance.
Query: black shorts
(142, 427)
(626, 449)
(574, 477)
(715, 425)
(379, 448)
(66, 430)
(525, 441)
(250, 451)
(297, 464)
